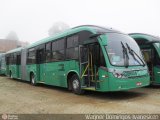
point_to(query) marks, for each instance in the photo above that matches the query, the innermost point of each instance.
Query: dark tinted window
(48, 52)
(7, 60)
(140, 41)
(31, 58)
(58, 55)
(72, 41)
(84, 35)
(18, 60)
(40, 54)
(72, 53)
(58, 45)
(10, 58)
(14, 58)
(72, 49)
(58, 50)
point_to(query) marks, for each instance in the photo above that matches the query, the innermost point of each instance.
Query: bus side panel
(40, 72)
(13, 70)
(102, 83)
(49, 74)
(56, 72)
(18, 71)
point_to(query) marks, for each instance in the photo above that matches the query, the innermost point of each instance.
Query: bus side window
(31, 57)
(18, 60)
(40, 56)
(12, 59)
(7, 60)
(72, 47)
(58, 50)
(48, 52)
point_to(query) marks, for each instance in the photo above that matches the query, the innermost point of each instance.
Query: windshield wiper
(125, 55)
(132, 52)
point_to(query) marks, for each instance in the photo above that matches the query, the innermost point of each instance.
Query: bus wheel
(33, 82)
(76, 85)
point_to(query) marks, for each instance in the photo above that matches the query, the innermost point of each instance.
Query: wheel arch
(30, 73)
(69, 76)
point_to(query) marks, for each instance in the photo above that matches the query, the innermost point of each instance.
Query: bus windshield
(122, 50)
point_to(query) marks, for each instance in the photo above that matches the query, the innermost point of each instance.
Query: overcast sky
(31, 19)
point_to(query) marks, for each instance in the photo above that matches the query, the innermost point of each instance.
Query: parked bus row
(86, 58)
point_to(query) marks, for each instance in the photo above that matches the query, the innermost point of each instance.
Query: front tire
(76, 85)
(33, 82)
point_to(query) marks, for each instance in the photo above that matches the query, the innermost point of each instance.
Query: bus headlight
(118, 75)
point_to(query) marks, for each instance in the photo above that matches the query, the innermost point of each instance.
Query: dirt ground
(20, 97)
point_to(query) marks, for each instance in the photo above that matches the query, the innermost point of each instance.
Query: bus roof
(15, 50)
(147, 37)
(91, 28)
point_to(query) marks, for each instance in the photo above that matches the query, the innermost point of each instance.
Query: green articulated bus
(82, 58)
(2, 64)
(150, 47)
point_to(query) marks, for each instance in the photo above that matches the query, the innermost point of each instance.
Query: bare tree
(57, 27)
(12, 36)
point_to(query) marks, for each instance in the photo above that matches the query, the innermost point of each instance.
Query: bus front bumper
(129, 83)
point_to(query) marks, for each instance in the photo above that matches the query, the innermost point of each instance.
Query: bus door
(18, 65)
(152, 59)
(83, 56)
(148, 57)
(40, 64)
(156, 66)
(89, 63)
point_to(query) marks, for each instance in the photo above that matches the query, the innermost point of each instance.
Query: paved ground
(21, 97)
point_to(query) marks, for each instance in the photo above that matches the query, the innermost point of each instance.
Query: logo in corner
(4, 116)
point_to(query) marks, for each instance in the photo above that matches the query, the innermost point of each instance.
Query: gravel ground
(17, 97)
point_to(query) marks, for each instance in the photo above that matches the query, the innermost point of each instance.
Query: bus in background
(13, 63)
(87, 58)
(2, 64)
(150, 47)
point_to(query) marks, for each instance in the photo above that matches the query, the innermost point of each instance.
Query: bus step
(89, 88)
(84, 63)
(96, 80)
(83, 86)
(87, 75)
(41, 82)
